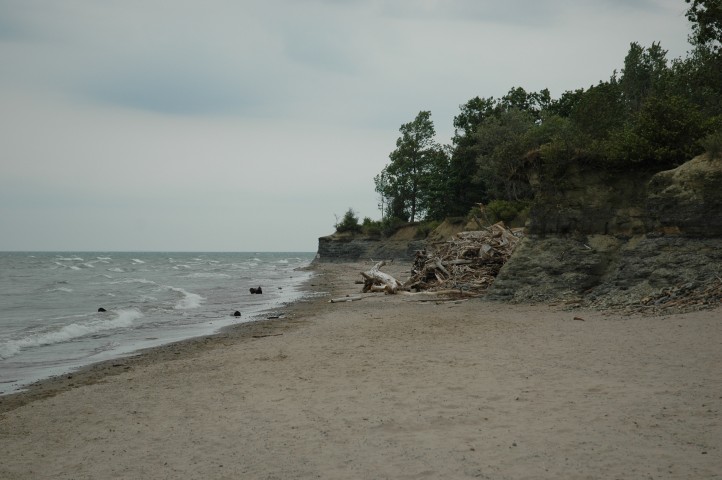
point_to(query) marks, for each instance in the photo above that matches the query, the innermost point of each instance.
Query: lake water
(49, 318)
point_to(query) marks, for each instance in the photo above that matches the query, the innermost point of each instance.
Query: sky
(252, 125)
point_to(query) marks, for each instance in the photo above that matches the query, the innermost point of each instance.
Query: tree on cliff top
(706, 18)
(416, 171)
(349, 222)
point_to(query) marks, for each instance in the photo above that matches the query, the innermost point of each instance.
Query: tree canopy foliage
(652, 115)
(412, 184)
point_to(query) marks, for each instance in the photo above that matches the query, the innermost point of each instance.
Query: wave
(189, 300)
(207, 275)
(137, 260)
(116, 269)
(135, 280)
(67, 333)
(72, 267)
(61, 289)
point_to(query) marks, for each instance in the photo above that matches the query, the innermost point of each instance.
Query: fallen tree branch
(377, 281)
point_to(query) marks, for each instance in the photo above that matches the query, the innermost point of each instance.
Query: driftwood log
(377, 281)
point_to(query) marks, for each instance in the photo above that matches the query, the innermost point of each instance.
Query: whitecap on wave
(189, 300)
(207, 275)
(66, 333)
(134, 280)
(61, 289)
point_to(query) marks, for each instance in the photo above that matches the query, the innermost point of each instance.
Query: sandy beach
(390, 387)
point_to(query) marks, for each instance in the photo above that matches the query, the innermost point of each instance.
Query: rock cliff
(612, 240)
(598, 238)
(349, 247)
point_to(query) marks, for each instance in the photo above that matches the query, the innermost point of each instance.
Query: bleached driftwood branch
(377, 281)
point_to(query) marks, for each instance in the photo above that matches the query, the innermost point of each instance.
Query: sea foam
(61, 289)
(189, 300)
(120, 319)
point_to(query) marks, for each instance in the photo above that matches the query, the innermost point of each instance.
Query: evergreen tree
(417, 169)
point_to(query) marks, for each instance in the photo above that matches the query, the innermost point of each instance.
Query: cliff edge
(613, 240)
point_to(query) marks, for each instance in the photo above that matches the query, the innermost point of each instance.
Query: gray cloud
(175, 116)
(178, 87)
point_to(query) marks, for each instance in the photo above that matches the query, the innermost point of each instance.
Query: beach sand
(390, 387)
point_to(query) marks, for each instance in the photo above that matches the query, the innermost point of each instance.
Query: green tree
(703, 68)
(599, 110)
(435, 200)
(644, 74)
(464, 188)
(414, 166)
(349, 222)
(706, 18)
(505, 143)
(519, 99)
(664, 134)
(472, 114)
(565, 105)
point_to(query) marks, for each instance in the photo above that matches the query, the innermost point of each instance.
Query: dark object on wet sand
(101, 309)
(256, 290)
(236, 313)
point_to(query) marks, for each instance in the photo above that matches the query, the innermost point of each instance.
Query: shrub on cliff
(506, 211)
(349, 223)
(372, 228)
(425, 228)
(712, 144)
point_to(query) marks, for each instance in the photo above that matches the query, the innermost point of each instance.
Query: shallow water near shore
(49, 318)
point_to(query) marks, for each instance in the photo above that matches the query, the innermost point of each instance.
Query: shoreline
(391, 387)
(95, 308)
(96, 371)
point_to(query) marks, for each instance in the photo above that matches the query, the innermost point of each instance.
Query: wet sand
(390, 387)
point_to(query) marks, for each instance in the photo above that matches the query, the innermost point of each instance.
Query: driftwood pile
(465, 264)
(468, 262)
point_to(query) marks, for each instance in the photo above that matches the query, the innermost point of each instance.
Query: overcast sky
(247, 125)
